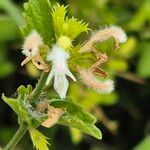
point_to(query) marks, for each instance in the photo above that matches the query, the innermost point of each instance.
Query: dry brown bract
(53, 116)
(37, 61)
(31, 49)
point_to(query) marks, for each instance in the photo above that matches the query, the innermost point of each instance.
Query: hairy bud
(91, 81)
(104, 34)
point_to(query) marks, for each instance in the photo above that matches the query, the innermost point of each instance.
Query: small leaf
(65, 26)
(29, 88)
(58, 15)
(14, 104)
(24, 110)
(39, 140)
(38, 16)
(77, 117)
(73, 121)
(72, 28)
(74, 109)
(36, 118)
(22, 90)
(23, 93)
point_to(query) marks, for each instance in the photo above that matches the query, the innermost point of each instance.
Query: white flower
(60, 69)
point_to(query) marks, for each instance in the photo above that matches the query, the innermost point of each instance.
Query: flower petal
(68, 72)
(61, 85)
(50, 77)
(50, 56)
(26, 60)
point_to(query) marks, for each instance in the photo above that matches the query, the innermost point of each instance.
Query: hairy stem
(33, 99)
(17, 137)
(38, 89)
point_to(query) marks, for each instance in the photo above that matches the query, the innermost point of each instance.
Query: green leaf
(72, 27)
(39, 140)
(58, 15)
(38, 16)
(23, 109)
(14, 104)
(74, 109)
(36, 118)
(65, 26)
(23, 91)
(77, 117)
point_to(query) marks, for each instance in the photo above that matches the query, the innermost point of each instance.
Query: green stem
(33, 99)
(17, 137)
(38, 89)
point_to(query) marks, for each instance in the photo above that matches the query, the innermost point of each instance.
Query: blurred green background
(124, 115)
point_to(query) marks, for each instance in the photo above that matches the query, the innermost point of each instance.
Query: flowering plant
(49, 44)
